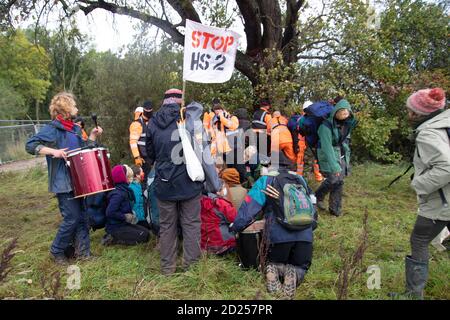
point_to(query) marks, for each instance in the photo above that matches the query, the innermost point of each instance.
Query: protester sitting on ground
(280, 136)
(290, 251)
(121, 223)
(237, 193)
(178, 196)
(334, 155)
(54, 140)
(217, 214)
(136, 186)
(431, 124)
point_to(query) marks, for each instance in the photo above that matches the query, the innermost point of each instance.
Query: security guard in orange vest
(280, 136)
(138, 130)
(261, 118)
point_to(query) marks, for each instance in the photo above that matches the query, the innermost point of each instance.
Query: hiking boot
(321, 205)
(60, 259)
(290, 282)
(107, 240)
(273, 283)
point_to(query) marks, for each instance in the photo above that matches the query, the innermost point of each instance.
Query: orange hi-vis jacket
(207, 122)
(138, 136)
(281, 137)
(225, 126)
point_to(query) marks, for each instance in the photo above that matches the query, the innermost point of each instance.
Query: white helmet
(306, 104)
(139, 109)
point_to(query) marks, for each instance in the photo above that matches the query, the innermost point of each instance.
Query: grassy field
(30, 213)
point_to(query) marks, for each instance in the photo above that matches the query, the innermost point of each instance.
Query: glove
(138, 161)
(130, 218)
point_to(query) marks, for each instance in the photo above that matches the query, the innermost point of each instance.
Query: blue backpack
(309, 124)
(293, 122)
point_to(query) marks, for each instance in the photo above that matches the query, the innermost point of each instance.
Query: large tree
(271, 26)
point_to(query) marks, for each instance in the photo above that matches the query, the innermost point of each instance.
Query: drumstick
(94, 118)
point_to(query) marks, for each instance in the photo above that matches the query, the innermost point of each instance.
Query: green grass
(30, 213)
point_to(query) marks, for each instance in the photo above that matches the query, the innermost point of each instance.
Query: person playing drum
(54, 141)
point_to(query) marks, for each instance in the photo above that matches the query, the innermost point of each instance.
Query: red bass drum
(90, 171)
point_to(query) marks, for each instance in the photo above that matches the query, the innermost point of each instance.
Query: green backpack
(294, 209)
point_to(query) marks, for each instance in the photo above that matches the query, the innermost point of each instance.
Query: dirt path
(22, 165)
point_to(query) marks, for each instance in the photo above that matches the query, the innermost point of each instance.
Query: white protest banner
(209, 53)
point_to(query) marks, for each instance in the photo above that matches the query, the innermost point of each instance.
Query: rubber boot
(416, 273)
(416, 277)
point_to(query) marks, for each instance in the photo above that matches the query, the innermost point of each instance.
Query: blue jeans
(74, 229)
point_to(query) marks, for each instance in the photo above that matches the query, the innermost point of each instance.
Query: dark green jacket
(331, 140)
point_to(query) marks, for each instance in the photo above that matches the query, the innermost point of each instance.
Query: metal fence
(13, 136)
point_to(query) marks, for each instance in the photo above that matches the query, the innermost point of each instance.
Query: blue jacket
(120, 202)
(138, 206)
(172, 182)
(54, 136)
(254, 203)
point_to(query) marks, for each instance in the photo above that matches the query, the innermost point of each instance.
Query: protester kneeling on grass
(290, 240)
(121, 223)
(54, 141)
(431, 125)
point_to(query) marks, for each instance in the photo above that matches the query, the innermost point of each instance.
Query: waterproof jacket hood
(168, 114)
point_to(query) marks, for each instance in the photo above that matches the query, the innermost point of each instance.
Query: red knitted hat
(426, 101)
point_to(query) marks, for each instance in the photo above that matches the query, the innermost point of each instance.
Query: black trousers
(298, 253)
(130, 234)
(425, 230)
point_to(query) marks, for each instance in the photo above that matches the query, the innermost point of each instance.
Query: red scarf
(67, 124)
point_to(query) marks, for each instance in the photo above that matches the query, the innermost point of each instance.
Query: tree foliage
(23, 66)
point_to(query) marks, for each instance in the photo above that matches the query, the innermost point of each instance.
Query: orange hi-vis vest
(223, 128)
(278, 130)
(138, 137)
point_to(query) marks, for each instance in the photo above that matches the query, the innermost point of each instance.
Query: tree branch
(252, 25)
(271, 20)
(326, 57)
(166, 26)
(290, 32)
(185, 9)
